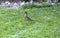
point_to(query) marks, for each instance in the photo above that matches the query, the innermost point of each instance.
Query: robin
(27, 17)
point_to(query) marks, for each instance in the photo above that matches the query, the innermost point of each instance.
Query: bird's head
(25, 12)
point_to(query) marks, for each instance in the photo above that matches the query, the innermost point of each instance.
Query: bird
(27, 18)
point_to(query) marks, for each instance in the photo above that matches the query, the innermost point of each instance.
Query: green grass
(46, 23)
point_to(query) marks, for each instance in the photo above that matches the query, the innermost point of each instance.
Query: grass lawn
(46, 23)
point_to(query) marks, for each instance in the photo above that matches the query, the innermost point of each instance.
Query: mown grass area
(46, 23)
